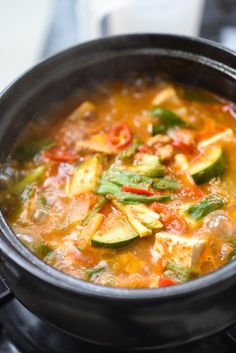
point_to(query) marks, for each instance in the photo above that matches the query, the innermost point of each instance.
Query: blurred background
(32, 30)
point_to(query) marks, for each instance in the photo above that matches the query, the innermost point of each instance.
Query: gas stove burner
(23, 332)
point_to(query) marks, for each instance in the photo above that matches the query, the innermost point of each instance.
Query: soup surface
(135, 188)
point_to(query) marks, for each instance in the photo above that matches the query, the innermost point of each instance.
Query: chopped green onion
(94, 270)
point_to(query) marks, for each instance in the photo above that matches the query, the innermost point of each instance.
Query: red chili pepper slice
(120, 136)
(170, 220)
(127, 188)
(57, 155)
(183, 146)
(166, 281)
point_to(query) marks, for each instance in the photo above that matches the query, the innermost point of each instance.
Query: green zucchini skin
(121, 234)
(100, 244)
(214, 168)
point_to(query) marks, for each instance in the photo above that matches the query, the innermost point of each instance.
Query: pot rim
(13, 249)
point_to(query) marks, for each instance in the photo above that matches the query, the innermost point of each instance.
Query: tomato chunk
(120, 136)
(166, 281)
(193, 192)
(188, 149)
(171, 221)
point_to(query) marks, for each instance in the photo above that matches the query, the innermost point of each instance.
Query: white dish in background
(228, 37)
(107, 17)
(23, 28)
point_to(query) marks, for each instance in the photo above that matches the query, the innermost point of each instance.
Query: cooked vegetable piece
(211, 165)
(37, 245)
(183, 147)
(94, 270)
(135, 190)
(141, 218)
(59, 155)
(168, 119)
(201, 209)
(166, 183)
(149, 166)
(84, 110)
(120, 136)
(89, 230)
(30, 178)
(134, 198)
(183, 250)
(181, 162)
(158, 129)
(224, 136)
(166, 94)
(129, 151)
(43, 250)
(178, 273)
(108, 188)
(117, 235)
(98, 207)
(166, 281)
(86, 177)
(27, 151)
(97, 143)
(171, 221)
(125, 177)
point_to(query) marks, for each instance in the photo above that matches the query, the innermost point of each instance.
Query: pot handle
(5, 294)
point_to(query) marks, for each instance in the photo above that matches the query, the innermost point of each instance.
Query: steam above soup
(134, 188)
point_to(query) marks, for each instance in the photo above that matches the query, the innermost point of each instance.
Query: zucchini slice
(89, 230)
(141, 218)
(149, 166)
(119, 235)
(86, 177)
(210, 166)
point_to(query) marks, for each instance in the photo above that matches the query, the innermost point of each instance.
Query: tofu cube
(181, 249)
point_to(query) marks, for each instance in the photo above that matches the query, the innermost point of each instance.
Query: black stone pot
(134, 318)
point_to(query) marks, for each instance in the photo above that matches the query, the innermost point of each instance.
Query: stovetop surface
(22, 332)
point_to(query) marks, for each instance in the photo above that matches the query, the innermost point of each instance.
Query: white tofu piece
(224, 136)
(181, 249)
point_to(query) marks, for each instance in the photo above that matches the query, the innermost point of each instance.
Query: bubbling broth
(134, 188)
